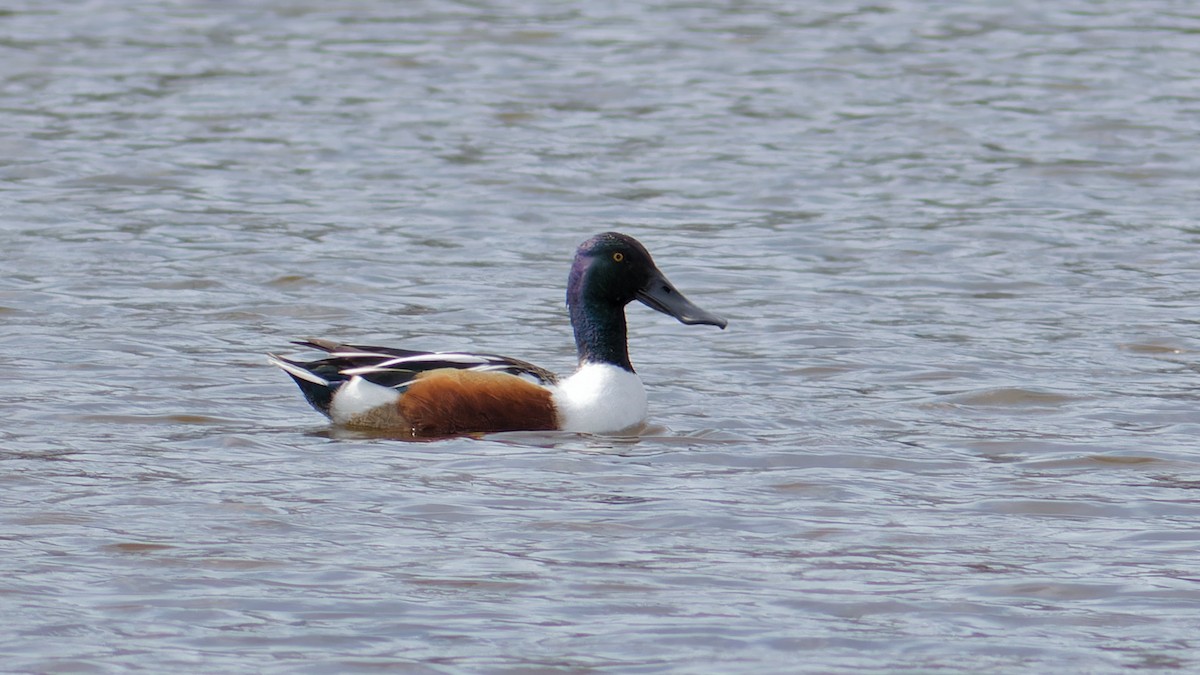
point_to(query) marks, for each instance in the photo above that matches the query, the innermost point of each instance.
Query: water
(952, 425)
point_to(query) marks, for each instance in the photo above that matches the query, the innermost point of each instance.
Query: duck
(424, 394)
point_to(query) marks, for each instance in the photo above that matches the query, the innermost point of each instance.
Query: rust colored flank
(452, 401)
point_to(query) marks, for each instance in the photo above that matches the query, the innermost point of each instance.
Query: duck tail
(315, 388)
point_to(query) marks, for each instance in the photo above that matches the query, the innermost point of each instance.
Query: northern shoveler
(429, 394)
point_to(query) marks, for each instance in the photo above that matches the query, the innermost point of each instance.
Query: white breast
(600, 398)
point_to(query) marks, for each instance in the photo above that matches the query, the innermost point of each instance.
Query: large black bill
(659, 294)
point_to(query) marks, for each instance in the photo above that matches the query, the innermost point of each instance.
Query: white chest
(600, 398)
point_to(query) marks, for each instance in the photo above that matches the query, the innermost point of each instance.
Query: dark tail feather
(319, 396)
(316, 389)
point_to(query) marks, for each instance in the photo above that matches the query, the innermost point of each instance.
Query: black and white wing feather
(389, 367)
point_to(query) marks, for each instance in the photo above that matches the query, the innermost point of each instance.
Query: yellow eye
(618, 256)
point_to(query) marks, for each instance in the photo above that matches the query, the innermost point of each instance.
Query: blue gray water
(953, 424)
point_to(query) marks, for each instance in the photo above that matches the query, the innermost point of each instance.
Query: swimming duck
(430, 394)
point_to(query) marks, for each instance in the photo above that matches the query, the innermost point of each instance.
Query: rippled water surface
(953, 424)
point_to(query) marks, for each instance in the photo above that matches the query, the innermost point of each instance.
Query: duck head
(610, 271)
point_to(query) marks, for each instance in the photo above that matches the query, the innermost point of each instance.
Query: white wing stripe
(464, 359)
(363, 370)
(297, 371)
(384, 368)
(448, 357)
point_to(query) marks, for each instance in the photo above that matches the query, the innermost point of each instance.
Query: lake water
(954, 424)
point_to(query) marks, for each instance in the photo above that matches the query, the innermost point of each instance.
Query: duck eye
(618, 256)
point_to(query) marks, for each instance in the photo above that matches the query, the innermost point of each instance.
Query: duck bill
(660, 294)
